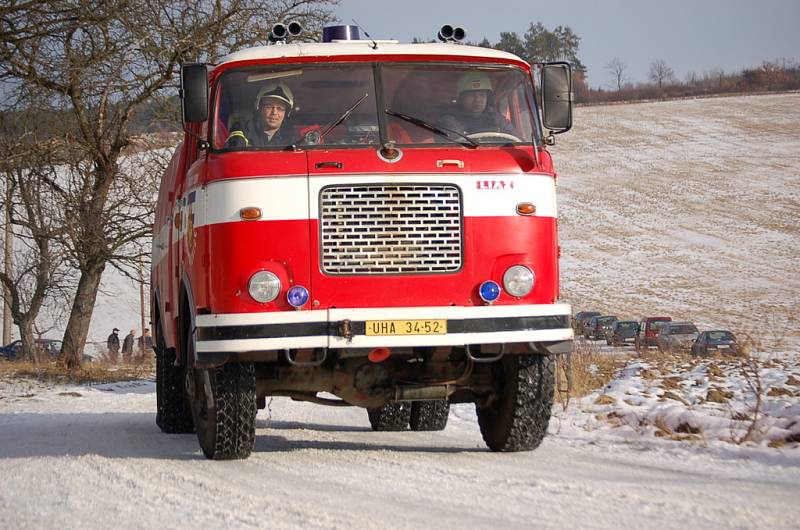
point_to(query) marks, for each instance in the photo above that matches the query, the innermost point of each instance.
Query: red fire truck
(361, 223)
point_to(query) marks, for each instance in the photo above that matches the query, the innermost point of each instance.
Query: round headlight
(297, 296)
(518, 280)
(489, 291)
(264, 286)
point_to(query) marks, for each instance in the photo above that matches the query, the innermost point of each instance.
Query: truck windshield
(279, 106)
(487, 105)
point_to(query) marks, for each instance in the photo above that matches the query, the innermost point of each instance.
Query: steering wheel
(489, 134)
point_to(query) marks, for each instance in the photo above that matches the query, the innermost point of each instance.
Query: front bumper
(346, 328)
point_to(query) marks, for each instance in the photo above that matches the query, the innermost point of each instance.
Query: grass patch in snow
(97, 372)
(591, 369)
(736, 400)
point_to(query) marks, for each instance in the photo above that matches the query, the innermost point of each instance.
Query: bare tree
(38, 277)
(617, 70)
(102, 61)
(660, 73)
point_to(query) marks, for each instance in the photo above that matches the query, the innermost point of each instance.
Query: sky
(691, 36)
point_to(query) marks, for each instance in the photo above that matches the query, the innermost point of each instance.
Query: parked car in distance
(580, 319)
(622, 332)
(595, 329)
(648, 330)
(13, 350)
(719, 340)
(676, 336)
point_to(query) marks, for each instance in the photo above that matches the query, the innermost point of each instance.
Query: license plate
(723, 347)
(406, 327)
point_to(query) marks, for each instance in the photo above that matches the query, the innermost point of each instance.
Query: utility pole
(141, 299)
(8, 243)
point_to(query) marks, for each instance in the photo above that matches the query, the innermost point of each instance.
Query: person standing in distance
(112, 343)
(127, 346)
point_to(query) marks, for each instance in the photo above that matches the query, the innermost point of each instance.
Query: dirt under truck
(389, 248)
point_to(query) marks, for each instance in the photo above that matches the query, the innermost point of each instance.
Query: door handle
(335, 165)
(457, 163)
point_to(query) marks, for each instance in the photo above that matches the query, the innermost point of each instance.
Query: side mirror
(557, 97)
(194, 92)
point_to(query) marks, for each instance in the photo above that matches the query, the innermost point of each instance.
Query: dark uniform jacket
(487, 121)
(249, 136)
(127, 344)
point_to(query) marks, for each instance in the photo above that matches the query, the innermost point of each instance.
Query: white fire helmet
(473, 81)
(277, 91)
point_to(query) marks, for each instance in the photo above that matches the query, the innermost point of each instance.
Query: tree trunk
(8, 247)
(29, 342)
(80, 317)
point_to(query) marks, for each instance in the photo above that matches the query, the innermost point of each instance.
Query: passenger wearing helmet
(473, 113)
(273, 104)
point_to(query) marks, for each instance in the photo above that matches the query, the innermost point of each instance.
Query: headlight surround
(264, 286)
(518, 280)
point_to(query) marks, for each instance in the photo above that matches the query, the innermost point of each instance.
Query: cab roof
(364, 47)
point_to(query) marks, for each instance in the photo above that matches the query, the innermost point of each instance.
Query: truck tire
(429, 415)
(226, 420)
(173, 411)
(517, 420)
(393, 416)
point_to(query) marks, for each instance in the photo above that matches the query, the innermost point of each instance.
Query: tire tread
(234, 389)
(521, 423)
(173, 413)
(393, 416)
(429, 415)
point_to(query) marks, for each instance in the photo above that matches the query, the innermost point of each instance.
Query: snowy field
(688, 208)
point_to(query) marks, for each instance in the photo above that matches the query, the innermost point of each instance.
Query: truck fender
(189, 309)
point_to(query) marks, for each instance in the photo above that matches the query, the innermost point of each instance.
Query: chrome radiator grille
(390, 229)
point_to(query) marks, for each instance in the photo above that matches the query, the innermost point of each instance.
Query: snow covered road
(92, 457)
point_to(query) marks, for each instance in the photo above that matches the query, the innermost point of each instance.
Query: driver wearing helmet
(472, 113)
(274, 103)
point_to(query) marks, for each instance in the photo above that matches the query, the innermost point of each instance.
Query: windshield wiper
(338, 121)
(441, 131)
(335, 123)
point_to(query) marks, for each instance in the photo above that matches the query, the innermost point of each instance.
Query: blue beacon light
(297, 296)
(489, 291)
